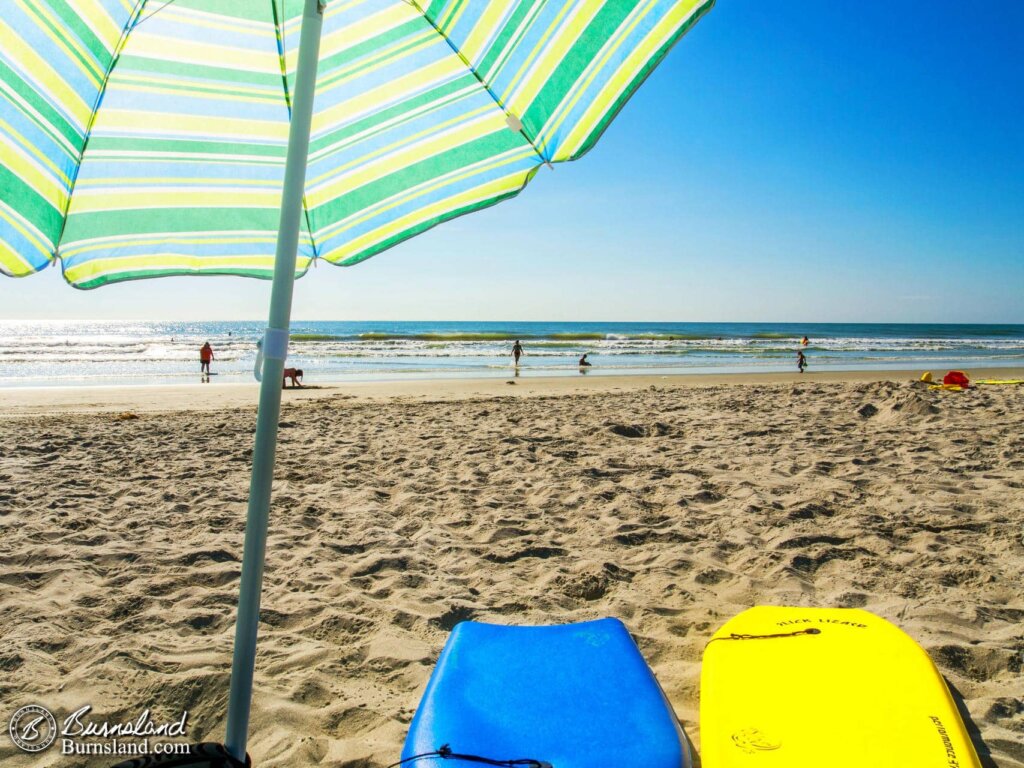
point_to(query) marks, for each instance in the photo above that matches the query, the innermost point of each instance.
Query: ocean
(74, 353)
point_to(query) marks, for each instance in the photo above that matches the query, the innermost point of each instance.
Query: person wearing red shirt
(205, 358)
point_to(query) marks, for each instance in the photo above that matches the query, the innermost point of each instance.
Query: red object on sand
(959, 378)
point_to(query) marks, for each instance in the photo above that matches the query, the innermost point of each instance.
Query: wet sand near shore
(17, 402)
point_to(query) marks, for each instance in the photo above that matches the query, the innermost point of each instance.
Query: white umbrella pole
(275, 346)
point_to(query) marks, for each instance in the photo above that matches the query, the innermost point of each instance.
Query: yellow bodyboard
(1000, 381)
(815, 687)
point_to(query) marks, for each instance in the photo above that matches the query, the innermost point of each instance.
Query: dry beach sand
(398, 512)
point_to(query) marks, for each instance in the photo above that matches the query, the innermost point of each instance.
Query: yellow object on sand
(927, 377)
(1000, 381)
(948, 387)
(816, 687)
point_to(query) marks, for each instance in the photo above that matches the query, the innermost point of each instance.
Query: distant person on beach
(205, 358)
(517, 351)
(801, 360)
(805, 342)
(583, 362)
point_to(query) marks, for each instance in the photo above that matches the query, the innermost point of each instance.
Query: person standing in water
(801, 360)
(205, 358)
(584, 363)
(517, 352)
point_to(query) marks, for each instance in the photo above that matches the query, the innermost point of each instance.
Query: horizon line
(509, 322)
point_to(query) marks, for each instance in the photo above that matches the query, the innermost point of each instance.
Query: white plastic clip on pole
(273, 346)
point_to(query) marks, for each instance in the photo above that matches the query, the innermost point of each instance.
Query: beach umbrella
(146, 138)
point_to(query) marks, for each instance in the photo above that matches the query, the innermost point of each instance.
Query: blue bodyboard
(572, 696)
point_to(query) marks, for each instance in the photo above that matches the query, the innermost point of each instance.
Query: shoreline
(17, 402)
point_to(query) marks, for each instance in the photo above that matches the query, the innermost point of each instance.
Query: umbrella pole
(275, 345)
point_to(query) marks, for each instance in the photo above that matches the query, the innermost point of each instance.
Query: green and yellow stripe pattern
(141, 138)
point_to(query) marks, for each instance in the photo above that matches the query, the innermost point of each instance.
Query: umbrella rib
(514, 122)
(154, 13)
(129, 25)
(280, 38)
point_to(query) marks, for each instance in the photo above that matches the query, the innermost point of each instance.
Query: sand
(400, 510)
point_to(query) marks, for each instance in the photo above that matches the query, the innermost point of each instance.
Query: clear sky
(794, 160)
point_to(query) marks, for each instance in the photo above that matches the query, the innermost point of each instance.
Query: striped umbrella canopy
(147, 138)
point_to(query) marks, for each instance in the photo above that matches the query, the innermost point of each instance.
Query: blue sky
(796, 160)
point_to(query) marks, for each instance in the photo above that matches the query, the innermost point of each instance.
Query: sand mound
(892, 403)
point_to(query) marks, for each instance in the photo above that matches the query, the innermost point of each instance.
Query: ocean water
(65, 353)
